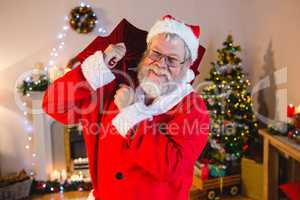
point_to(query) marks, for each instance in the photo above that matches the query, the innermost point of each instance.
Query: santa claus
(142, 136)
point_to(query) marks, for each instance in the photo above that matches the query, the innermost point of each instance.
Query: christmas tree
(233, 127)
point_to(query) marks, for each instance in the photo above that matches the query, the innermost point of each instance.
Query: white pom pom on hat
(188, 33)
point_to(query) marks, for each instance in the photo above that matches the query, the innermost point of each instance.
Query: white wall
(264, 28)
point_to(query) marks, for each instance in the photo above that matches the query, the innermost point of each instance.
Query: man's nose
(162, 62)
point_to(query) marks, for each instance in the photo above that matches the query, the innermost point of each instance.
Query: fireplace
(76, 157)
(58, 147)
(77, 145)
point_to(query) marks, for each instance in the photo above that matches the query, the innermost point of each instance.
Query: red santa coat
(157, 162)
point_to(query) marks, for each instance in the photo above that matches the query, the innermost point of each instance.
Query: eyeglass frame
(147, 54)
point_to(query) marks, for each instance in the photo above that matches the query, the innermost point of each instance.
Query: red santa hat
(188, 33)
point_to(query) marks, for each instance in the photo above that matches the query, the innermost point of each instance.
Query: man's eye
(173, 61)
(155, 53)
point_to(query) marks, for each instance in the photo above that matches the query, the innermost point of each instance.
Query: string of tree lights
(233, 127)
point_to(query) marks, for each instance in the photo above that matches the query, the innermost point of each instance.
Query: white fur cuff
(129, 117)
(95, 71)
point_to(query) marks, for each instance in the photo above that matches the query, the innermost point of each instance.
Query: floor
(63, 196)
(83, 196)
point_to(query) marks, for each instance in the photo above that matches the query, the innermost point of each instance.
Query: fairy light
(51, 62)
(61, 188)
(101, 30)
(29, 128)
(60, 36)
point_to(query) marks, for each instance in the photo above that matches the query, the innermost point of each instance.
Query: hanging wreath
(82, 19)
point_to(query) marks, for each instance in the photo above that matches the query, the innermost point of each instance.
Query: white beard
(150, 88)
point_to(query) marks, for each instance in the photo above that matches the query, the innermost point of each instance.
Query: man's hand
(113, 54)
(124, 96)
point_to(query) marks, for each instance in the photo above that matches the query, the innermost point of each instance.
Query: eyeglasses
(171, 62)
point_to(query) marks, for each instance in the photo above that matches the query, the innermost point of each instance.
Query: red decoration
(55, 189)
(204, 172)
(290, 134)
(290, 110)
(245, 147)
(40, 185)
(291, 190)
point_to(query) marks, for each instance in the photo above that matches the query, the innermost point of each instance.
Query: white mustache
(159, 71)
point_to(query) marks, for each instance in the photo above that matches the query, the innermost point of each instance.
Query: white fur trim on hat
(179, 28)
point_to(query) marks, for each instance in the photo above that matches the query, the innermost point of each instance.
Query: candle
(55, 175)
(297, 110)
(290, 110)
(63, 175)
(55, 73)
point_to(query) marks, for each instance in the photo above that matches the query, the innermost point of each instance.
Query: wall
(267, 31)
